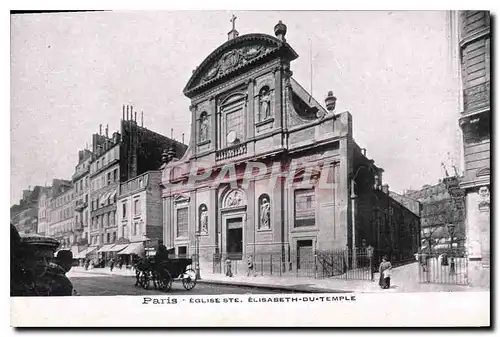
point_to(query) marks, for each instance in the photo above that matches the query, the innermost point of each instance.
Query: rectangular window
(114, 236)
(182, 221)
(137, 207)
(305, 208)
(125, 232)
(112, 218)
(115, 174)
(124, 210)
(108, 237)
(109, 178)
(234, 123)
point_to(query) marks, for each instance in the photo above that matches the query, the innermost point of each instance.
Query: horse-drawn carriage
(161, 274)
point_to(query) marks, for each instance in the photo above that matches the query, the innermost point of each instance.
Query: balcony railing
(80, 205)
(231, 152)
(137, 183)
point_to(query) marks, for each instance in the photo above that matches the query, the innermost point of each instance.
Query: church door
(234, 238)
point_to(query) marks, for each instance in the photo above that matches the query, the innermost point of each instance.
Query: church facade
(268, 169)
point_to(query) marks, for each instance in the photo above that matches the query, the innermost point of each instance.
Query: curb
(293, 289)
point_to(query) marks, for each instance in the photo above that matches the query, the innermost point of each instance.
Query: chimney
(183, 138)
(107, 127)
(135, 116)
(131, 113)
(142, 118)
(127, 113)
(385, 188)
(100, 129)
(123, 112)
(171, 133)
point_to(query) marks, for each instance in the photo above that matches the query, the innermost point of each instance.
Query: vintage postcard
(214, 168)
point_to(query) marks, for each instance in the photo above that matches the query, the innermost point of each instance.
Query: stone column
(278, 98)
(213, 123)
(250, 109)
(194, 124)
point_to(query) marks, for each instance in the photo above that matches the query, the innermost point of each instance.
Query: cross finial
(233, 20)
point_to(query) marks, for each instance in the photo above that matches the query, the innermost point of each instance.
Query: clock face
(231, 136)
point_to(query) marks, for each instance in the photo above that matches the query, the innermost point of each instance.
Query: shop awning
(105, 248)
(133, 248)
(90, 250)
(117, 248)
(104, 198)
(83, 254)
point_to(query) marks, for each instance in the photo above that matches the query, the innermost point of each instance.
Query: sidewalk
(404, 280)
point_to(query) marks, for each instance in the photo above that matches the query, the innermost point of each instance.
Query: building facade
(81, 184)
(475, 51)
(62, 218)
(140, 214)
(268, 169)
(442, 215)
(124, 156)
(44, 210)
(24, 216)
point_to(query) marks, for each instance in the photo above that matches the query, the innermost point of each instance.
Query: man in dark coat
(60, 284)
(33, 256)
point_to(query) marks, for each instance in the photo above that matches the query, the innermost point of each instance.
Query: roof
(236, 54)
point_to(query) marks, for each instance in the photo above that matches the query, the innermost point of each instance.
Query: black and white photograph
(236, 160)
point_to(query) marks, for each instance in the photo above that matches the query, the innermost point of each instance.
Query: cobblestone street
(113, 285)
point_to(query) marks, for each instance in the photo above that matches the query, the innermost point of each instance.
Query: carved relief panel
(233, 59)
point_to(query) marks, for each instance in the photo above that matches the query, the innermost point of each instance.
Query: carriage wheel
(165, 281)
(189, 279)
(144, 280)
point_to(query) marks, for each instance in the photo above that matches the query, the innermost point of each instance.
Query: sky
(70, 72)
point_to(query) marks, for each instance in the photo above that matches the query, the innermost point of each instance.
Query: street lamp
(197, 265)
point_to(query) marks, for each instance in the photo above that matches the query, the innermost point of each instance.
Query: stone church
(268, 168)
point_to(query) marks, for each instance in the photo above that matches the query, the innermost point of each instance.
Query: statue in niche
(203, 127)
(203, 220)
(265, 213)
(265, 103)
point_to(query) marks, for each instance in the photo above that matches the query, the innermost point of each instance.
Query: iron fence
(442, 269)
(339, 264)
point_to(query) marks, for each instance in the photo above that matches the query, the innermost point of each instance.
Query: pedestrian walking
(229, 272)
(111, 264)
(250, 266)
(385, 270)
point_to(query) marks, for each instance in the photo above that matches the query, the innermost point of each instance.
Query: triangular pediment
(235, 55)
